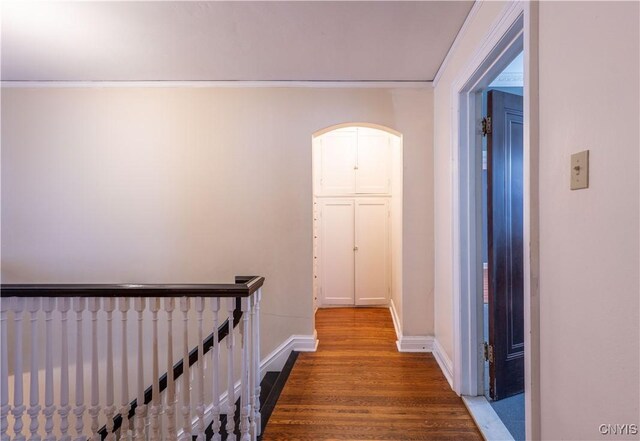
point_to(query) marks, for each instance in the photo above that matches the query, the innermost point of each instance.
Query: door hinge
(486, 126)
(488, 352)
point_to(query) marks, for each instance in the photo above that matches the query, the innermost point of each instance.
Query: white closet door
(337, 162)
(336, 252)
(373, 162)
(372, 251)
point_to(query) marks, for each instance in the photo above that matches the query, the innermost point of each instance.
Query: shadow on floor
(511, 412)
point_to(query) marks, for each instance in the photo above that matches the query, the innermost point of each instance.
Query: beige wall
(417, 218)
(396, 226)
(589, 239)
(115, 185)
(589, 259)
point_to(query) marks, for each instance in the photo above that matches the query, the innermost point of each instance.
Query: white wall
(465, 47)
(115, 185)
(589, 258)
(589, 239)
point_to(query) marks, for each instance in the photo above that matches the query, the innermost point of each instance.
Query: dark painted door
(505, 240)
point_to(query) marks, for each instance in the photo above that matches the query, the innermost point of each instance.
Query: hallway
(357, 386)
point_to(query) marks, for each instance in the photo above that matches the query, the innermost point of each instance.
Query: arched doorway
(357, 216)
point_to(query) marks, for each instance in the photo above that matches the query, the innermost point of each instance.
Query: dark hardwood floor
(357, 386)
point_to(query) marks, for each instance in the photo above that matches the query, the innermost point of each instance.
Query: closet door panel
(337, 163)
(372, 252)
(336, 252)
(373, 162)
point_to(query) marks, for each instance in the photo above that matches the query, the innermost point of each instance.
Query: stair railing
(49, 413)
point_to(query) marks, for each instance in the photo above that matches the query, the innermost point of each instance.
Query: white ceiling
(227, 41)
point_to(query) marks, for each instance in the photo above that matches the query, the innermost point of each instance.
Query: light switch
(580, 170)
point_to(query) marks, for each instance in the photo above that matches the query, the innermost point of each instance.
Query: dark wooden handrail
(245, 286)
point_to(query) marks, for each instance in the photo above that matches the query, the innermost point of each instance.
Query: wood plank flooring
(357, 386)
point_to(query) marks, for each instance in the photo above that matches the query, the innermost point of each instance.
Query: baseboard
(268, 405)
(396, 320)
(423, 344)
(446, 366)
(418, 343)
(278, 357)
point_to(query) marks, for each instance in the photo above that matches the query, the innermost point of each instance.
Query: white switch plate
(580, 170)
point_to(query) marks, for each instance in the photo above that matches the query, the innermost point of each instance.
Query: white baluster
(109, 305)
(48, 305)
(255, 339)
(252, 372)
(245, 397)
(123, 306)
(200, 405)
(33, 304)
(169, 305)
(154, 422)
(18, 404)
(231, 398)
(185, 304)
(79, 304)
(215, 371)
(141, 408)
(5, 408)
(94, 410)
(64, 304)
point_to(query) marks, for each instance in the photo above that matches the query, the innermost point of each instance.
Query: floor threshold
(491, 426)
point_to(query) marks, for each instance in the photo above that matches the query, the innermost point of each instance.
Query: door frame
(514, 30)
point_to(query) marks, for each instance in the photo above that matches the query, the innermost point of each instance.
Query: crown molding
(221, 84)
(463, 29)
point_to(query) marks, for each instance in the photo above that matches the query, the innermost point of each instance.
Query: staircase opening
(132, 361)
